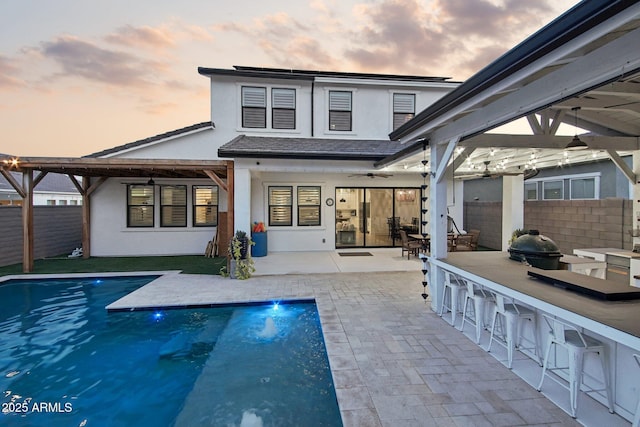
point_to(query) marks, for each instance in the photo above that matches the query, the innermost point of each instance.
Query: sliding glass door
(373, 217)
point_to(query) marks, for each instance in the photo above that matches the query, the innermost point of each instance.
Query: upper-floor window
(339, 110)
(283, 108)
(140, 205)
(404, 108)
(173, 206)
(254, 107)
(205, 205)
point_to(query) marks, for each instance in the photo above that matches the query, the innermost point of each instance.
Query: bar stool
(577, 345)
(510, 316)
(479, 299)
(453, 285)
(636, 419)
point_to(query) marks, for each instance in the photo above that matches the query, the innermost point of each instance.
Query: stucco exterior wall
(110, 235)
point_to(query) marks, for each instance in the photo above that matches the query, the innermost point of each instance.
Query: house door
(376, 211)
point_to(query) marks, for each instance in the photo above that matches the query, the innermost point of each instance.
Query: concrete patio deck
(394, 361)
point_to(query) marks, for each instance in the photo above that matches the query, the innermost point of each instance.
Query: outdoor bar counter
(617, 323)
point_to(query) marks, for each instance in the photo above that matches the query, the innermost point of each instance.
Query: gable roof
(152, 139)
(282, 73)
(308, 148)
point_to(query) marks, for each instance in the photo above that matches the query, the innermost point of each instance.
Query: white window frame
(567, 178)
(596, 187)
(561, 181)
(535, 184)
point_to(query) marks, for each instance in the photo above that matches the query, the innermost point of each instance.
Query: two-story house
(303, 145)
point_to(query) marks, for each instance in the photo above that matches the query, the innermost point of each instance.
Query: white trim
(159, 141)
(379, 82)
(596, 188)
(526, 199)
(577, 175)
(561, 181)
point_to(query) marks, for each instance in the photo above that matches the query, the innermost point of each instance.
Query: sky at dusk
(80, 76)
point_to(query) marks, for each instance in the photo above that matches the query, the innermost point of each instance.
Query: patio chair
(409, 246)
(577, 345)
(464, 242)
(474, 313)
(475, 236)
(451, 242)
(508, 322)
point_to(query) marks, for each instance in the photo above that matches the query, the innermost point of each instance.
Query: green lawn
(193, 264)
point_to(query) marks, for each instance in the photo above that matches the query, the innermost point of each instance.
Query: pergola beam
(16, 186)
(622, 165)
(215, 178)
(595, 142)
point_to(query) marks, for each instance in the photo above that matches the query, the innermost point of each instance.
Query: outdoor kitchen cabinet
(622, 265)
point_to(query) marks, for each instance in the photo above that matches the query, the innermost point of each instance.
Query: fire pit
(537, 250)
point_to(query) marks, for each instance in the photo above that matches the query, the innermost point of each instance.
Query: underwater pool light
(158, 315)
(98, 281)
(276, 306)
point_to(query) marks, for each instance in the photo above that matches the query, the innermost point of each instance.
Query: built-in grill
(535, 249)
(618, 268)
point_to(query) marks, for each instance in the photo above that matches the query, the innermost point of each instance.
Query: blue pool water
(65, 361)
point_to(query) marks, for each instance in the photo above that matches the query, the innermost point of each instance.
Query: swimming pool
(65, 361)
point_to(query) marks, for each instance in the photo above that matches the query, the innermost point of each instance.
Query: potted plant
(241, 264)
(517, 233)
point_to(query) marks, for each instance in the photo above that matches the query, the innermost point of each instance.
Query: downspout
(312, 93)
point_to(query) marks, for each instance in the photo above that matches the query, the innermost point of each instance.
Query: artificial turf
(192, 264)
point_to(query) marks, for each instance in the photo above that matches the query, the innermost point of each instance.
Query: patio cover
(588, 58)
(96, 171)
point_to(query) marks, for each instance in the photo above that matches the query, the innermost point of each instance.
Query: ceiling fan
(486, 173)
(372, 175)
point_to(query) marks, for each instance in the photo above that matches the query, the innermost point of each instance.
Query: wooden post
(27, 221)
(230, 200)
(86, 217)
(230, 208)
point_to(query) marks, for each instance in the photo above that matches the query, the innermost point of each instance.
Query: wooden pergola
(94, 172)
